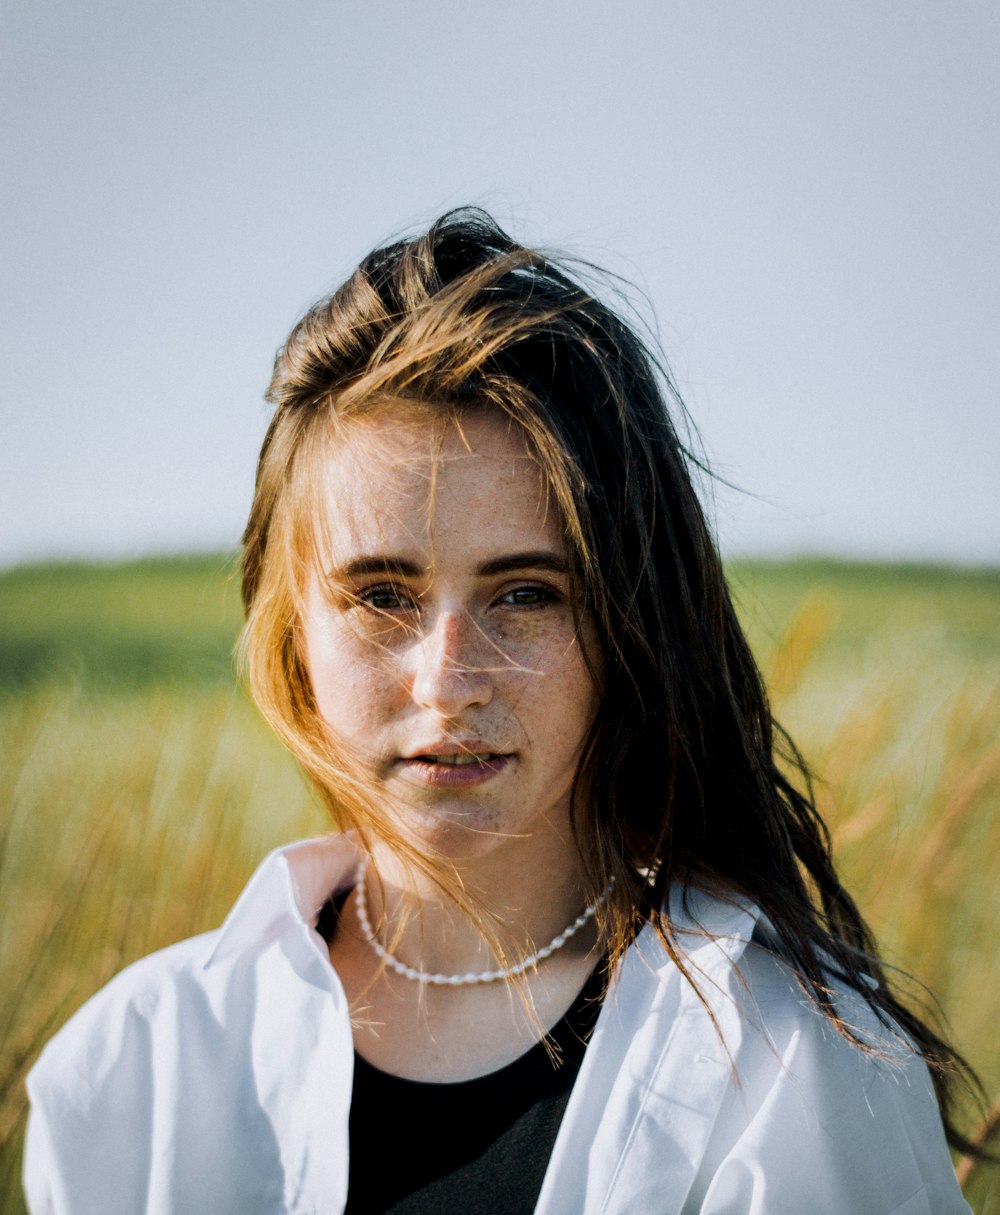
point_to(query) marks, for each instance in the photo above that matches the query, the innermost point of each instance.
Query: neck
(521, 907)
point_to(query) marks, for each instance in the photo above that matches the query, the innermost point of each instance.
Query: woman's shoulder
(748, 990)
(849, 1091)
(205, 987)
(724, 939)
(186, 1071)
(110, 1024)
(805, 1103)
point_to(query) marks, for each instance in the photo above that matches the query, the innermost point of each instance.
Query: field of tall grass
(138, 789)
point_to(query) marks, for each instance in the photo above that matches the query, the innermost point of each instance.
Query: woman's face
(440, 635)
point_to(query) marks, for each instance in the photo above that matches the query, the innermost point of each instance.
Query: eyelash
(544, 596)
(368, 596)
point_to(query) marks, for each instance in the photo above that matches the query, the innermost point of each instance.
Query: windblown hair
(685, 776)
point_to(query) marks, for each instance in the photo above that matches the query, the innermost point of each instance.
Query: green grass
(138, 789)
(123, 626)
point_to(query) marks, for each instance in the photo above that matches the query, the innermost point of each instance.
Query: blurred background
(804, 196)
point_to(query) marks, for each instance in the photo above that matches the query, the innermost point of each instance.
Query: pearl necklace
(484, 976)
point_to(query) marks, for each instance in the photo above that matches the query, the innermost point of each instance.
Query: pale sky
(807, 194)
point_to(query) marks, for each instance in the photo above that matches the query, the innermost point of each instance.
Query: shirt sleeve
(38, 1167)
(86, 1147)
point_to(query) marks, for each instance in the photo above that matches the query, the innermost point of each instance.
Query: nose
(449, 675)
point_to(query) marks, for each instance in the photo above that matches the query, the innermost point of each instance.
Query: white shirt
(215, 1076)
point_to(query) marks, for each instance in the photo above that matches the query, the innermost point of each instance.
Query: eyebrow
(377, 563)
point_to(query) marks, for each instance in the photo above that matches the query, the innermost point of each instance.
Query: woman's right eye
(385, 599)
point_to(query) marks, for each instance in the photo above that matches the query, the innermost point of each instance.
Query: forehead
(401, 481)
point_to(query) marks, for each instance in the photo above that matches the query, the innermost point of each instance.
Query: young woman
(577, 945)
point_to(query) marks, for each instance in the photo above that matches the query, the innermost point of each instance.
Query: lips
(455, 751)
(460, 760)
(450, 764)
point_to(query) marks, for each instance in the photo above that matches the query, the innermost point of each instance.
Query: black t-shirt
(480, 1145)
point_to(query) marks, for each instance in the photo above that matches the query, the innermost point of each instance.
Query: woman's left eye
(529, 596)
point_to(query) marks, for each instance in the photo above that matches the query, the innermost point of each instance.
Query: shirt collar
(709, 924)
(286, 893)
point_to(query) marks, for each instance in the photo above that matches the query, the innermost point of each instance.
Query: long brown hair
(462, 316)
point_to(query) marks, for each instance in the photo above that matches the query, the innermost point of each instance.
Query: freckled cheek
(356, 692)
(542, 644)
(555, 698)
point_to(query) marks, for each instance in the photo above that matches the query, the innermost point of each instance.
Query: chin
(456, 837)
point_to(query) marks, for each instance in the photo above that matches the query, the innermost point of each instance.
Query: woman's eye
(530, 596)
(385, 599)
